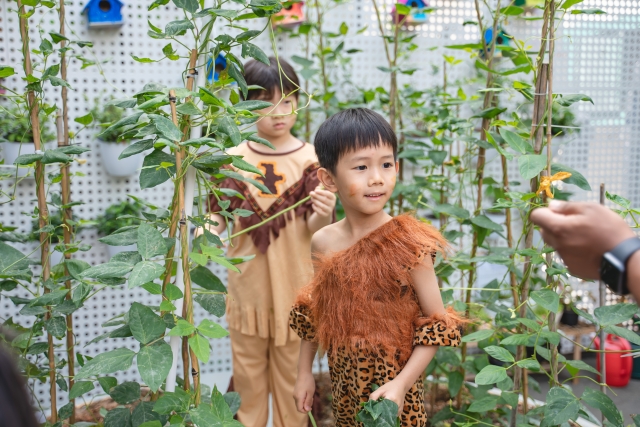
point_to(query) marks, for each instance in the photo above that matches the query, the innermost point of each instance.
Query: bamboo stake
(43, 213)
(67, 216)
(602, 288)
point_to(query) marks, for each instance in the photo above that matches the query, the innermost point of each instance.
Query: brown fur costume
(359, 297)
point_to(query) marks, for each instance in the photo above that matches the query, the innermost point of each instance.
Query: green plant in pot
(119, 218)
(16, 135)
(55, 228)
(111, 142)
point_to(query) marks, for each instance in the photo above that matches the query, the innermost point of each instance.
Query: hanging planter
(413, 12)
(290, 15)
(116, 217)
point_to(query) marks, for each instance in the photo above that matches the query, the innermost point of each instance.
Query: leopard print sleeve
(299, 321)
(438, 332)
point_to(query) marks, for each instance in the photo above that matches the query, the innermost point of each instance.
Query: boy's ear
(326, 179)
(397, 166)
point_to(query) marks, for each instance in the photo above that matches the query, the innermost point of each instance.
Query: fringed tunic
(361, 307)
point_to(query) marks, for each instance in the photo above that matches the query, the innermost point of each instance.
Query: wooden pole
(43, 213)
(602, 288)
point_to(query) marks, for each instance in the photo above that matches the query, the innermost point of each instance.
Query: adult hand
(581, 233)
(324, 201)
(394, 390)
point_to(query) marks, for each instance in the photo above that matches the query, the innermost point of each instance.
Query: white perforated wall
(596, 54)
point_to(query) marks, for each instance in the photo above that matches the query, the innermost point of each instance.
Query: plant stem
(323, 65)
(43, 213)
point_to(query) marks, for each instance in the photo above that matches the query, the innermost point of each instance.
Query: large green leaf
(502, 354)
(478, 335)
(548, 299)
(105, 363)
(483, 221)
(214, 304)
(599, 400)
(576, 177)
(129, 120)
(176, 28)
(145, 325)
(455, 382)
(124, 238)
(182, 328)
(485, 404)
(204, 416)
(452, 210)
(515, 141)
(233, 401)
(80, 388)
(144, 413)
(154, 363)
(144, 272)
(561, 406)
(118, 417)
(177, 401)
(190, 6)
(249, 49)
(56, 326)
(75, 267)
(150, 241)
(227, 126)
(135, 148)
(200, 347)
(202, 276)
(11, 259)
(108, 271)
(152, 173)
(126, 392)
(378, 413)
(166, 128)
(491, 374)
(211, 329)
(252, 105)
(624, 333)
(609, 315)
(531, 165)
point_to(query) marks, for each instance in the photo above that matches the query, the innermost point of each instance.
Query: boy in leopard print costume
(374, 304)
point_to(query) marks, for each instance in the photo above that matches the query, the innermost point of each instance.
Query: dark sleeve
(299, 321)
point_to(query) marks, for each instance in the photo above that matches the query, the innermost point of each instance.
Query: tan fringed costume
(362, 308)
(265, 351)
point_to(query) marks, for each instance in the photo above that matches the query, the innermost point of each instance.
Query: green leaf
(548, 299)
(529, 364)
(145, 325)
(515, 141)
(531, 165)
(105, 363)
(177, 28)
(144, 414)
(190, 6)
(166, 127)
(84, 120)
(380, 413)
(245, 166)
(618, 200)
(27, 159)
(516, 339)
(512, 10)
(232, 399)
(80, 388)
(568, 100)
(455, 382)
(490, 113)
(203, 277)
(152, 174)
(129, 120)
(124, 238)
(452, 210)
(214, 304)
(491, 374)
(624, 333)
(172, 292)
(150, 241)
(236, 75)
(568, 3)
(54, 156)
(485, 404)
(56, 326)
(579, 365)
(200, 347)
(576, 177)
(249, 49)
(483, 221)
(599, 400)
(135, 148)
(211, 329)
(437, 156)
(6, 71)
(227, 126)
(252, 105)
(182, 329)
(109, 270)
(499, 353)
(118, 417)
(169, 402)
(107, 383)
(262, 141)
(610, 315)
(480, 335)
(561, 406)
(126, 392)
(154, 363)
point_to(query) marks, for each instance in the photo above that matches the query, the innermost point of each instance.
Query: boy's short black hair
(270, 77)
(352, 130)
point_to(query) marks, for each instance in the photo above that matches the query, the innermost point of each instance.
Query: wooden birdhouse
(215, 68)
(291, 14)
(104, 13)
(417, 16)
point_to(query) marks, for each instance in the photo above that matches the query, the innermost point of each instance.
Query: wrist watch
(613, 269)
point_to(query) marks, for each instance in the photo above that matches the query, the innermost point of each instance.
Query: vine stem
(43, 213)
(323, 65)
(67, 216)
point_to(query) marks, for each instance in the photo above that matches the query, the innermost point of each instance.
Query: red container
(618, 368)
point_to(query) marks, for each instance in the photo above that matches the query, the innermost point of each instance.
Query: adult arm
(582, 233)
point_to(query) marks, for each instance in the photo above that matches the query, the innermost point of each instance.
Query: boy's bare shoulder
(323, 240)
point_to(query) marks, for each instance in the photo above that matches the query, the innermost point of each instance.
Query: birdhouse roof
(93, 2)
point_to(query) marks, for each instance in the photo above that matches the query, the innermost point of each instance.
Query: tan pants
(260, 368)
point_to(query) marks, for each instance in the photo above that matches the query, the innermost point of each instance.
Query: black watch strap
(625, 249)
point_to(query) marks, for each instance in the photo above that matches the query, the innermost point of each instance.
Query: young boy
(264, 349)
(374, 304)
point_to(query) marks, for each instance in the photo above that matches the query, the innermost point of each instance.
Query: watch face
(611, 271)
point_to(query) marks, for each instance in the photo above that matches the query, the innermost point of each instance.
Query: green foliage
(15, 126)
(119, 215)
(104, 115)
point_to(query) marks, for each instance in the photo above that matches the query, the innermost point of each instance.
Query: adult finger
(546, 218)
(567, 208)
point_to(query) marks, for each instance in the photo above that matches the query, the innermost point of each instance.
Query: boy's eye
(361, 168)
(388, 165)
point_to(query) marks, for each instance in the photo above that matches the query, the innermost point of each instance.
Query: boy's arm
(428, 292)
(305, 383)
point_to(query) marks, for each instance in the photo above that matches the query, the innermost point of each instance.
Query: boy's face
(364, 179)
(280, 118)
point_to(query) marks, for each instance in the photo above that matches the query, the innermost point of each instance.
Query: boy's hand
(324, 201)
(303, 392)
(394, 390)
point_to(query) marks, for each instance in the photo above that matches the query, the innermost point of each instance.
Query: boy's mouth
(374, 196)
(279, 125)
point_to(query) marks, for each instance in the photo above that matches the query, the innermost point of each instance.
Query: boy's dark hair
(269, 77)
(352, 130)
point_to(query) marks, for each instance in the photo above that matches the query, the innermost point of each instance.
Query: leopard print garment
(351, 377)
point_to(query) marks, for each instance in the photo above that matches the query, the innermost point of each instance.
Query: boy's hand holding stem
(305, 383)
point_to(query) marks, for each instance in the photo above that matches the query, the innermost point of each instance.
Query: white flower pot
(110, 151)
(11, 151)
(114, 250)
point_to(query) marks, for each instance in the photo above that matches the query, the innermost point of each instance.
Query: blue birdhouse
(502, 39)
(214, 69)
(417, 15)
(104, 13)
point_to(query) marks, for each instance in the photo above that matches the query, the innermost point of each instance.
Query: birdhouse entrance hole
(104, 5)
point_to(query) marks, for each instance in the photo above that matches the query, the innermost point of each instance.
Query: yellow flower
(81, 161)
(545, 182)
